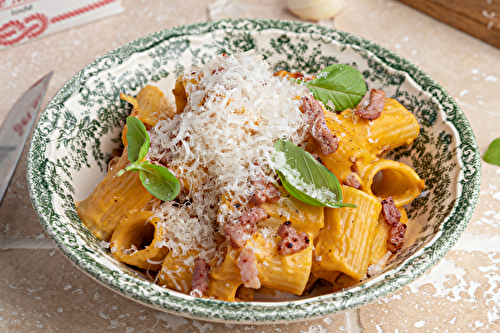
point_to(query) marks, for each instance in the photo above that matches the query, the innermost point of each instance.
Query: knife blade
(16, 129)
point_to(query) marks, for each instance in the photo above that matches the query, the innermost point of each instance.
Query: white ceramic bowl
(81, 126)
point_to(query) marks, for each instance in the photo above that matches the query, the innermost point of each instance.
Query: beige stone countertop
(41, 291)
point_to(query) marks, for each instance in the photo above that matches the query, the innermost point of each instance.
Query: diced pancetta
(374, 109)
(265, 193)
(248, 268)
(318, 129)
(290, 242)
(199, 282)
(396, 237)
(390, 211)
(240, 230)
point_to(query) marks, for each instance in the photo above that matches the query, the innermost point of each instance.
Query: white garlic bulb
(315, 9)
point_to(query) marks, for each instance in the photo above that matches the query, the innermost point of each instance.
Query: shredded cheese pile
(223, 140)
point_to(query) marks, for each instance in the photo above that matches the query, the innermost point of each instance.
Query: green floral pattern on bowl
(81, 125)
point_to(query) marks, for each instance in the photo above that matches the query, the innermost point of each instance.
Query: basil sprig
(343, 85)
(157, 179)
(307, 179)
(492, 154)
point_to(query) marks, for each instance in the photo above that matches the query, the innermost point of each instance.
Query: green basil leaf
(159, 181)
(307, 179)
(492, 154)
(307, 198)
(341, 84)
(135, 167)
(138, 139)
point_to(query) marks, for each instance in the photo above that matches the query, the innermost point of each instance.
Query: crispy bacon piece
(396, 237)
(352, 181)
(397, 232)
(291, 242)
(248, 268)
(265, 193)
(318, 129)
(374, 109)
(240, 230)
(390, 211)
(354, 166)
(199, 282)
(252, 216)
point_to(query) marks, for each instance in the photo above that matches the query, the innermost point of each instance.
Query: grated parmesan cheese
(104, 244)
(133, 249)
(330, 104)
(380, 265)
(222, 140)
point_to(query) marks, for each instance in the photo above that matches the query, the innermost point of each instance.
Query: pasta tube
(113, 200)
(383, 178)
(395, 127)
(343, 281)
(329, 276)
(181, 92)
(351, 155)
(149, 106)
(135, 242)
(177, 271)
(286, 273)
(225, 278)
(345, 243)
(304, 217)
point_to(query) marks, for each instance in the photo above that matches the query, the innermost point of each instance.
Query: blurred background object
(25, 20)
(220, 9)
(476, 17)
(315, 9)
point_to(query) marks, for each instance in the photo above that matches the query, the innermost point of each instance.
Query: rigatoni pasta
(345, 243)
(149, 106)
(235, 231)
(113, 200)
(395, 127)
(137, 242)
(384, 178)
